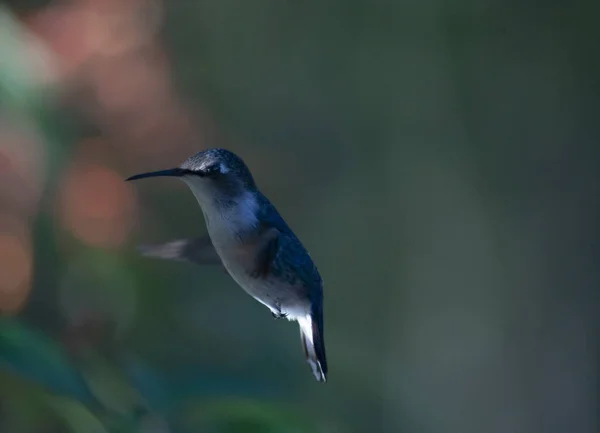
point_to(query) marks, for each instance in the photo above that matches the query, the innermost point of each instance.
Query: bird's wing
(283, 255)
(266, 250)
(199, 251)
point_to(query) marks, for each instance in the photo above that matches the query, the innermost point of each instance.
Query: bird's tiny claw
(279, 315)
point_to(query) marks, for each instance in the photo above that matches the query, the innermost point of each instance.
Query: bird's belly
(278, 296)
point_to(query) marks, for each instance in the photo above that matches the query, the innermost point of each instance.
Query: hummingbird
(250, 239)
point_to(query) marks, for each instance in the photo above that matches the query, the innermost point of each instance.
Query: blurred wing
(199, 251)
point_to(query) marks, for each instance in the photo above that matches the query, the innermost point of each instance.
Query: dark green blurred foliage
(439, 160)
(22, 351)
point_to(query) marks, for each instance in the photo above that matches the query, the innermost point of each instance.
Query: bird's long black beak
(172, 172)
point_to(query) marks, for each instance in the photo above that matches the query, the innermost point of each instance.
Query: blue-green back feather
(291, 262)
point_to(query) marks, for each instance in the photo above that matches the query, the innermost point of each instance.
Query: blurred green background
(439, 160)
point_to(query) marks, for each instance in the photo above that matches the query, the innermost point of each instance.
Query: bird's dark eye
(211, 170)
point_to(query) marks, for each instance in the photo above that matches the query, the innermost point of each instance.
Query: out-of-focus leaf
(27, 72)
(24, 64)
(77, 417)
(23, 407)
(245, 416)
(40, 360)
(110, 386)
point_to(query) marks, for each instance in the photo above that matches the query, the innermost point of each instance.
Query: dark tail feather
(311, 334)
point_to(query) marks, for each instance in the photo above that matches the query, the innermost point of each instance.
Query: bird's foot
(279, 315)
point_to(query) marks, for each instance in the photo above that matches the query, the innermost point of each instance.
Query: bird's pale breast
(237, 238)
(278, 295)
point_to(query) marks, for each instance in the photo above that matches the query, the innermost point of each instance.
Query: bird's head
(212, 175)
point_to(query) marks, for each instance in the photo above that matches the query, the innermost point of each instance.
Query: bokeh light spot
(15, 266)
(22, 169)
(97, 206)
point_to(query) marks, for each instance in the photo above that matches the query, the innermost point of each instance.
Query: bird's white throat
(227, 218)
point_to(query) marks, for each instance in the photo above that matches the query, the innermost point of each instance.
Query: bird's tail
(311, 334)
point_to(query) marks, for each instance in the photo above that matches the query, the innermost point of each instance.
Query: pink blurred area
(96, 206)
(113, 67)
(15, 263)
(109, 65)
(21, 183)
